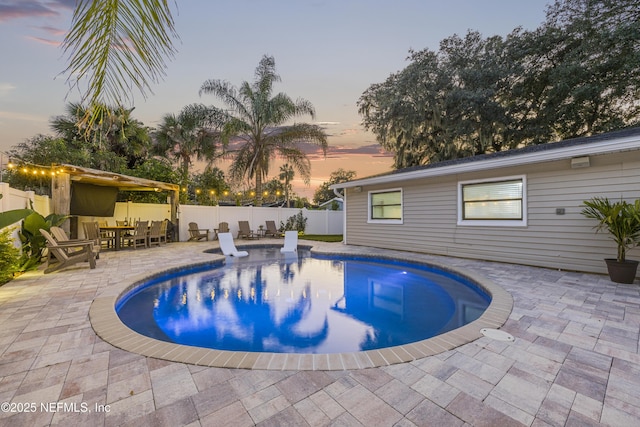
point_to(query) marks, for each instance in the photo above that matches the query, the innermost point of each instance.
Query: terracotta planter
(622, 272)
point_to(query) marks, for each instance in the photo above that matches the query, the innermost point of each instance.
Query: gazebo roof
(111, 179)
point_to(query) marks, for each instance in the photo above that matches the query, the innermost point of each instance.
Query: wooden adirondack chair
(223, 227)
(272, 230)
(196, 233)
(245, 231)
(61, 237)
(67, 254)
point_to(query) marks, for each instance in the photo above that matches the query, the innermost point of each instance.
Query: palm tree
(258, 120)
(286, 175)
(117, 140)
(192, 133)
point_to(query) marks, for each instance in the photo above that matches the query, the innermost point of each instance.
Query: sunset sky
(327, 51)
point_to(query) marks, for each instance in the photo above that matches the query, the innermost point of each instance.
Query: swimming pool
(297, 303)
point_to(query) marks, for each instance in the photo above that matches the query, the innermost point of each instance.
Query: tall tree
(115, 45)
(576, 75)
(408, 112)
(211, 185)
(192, 134)
(115, 143)
(157, 169)
(583, 69)
(46, 150)
(42, 150)
(259, 122)
(274, 188)
(324, 193)
(444, 104)
(286, 174)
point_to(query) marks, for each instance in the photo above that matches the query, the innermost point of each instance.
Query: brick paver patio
(574, 361)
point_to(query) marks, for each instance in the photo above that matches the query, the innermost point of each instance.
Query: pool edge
(108, 326)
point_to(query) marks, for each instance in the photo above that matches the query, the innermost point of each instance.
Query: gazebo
(66, 176)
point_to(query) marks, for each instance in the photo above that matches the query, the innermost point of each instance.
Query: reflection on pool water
(296, 303)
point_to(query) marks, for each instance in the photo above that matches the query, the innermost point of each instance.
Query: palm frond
(227, 93)
(116, 45)
(266, 75)
(302, 132)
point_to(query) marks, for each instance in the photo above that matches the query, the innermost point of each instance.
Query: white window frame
(498, 222)
(385, 221)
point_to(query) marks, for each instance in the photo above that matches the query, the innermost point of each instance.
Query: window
(496, 202)
(385, 206)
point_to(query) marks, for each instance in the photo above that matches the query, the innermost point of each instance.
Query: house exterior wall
(568, 242)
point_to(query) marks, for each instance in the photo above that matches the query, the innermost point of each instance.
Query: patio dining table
(118, 229)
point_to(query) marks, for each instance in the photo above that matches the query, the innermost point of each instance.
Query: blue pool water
(295, 303)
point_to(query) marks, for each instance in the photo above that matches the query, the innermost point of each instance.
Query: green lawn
(322, 237)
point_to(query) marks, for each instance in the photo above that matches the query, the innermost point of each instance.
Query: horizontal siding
(549, 240)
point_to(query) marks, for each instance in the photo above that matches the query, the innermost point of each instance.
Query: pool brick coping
(109, 327)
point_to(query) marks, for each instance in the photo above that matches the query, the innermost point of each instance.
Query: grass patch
(322, 237)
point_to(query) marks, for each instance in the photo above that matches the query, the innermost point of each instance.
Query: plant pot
(621, 272)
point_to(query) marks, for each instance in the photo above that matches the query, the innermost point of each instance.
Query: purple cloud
(44, 41)
(314, 152)
(16, 9)
(372, 150)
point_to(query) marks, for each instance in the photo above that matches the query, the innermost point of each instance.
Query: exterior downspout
(344, 213)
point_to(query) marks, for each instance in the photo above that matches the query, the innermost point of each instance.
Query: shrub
(295, 222)
(9, 256)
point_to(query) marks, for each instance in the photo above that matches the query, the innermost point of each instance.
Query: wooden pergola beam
(66, 174)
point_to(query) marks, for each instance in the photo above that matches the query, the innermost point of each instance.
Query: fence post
(4, 200)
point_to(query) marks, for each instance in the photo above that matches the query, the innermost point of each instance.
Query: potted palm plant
(622, 221)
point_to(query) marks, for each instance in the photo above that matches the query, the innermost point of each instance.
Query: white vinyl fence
(16, 199)
(318, 221)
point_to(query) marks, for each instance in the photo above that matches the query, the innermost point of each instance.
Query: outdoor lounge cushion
(290, 241)
(228, 247)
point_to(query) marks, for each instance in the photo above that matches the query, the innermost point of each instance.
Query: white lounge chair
(228, 247)
(290, 241)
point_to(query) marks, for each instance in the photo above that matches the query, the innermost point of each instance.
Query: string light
(34, 170)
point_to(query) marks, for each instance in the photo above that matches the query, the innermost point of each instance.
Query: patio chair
(197, 233)
(245, 231)
(171, 229)
(163, 231)
(107, 237)
(155, 233)
(223, 227)
(60, 236)
(139, 235)
(272, 230)
(124, 233)
(227, 246)
(92, 232)
(68, 253)
(290, 241)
